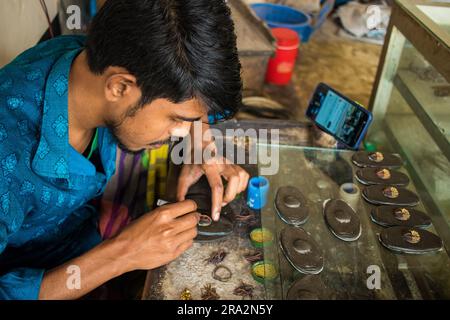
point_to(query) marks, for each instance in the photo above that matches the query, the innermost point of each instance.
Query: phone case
(354, 103)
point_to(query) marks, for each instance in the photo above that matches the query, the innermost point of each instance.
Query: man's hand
(151, 241)
(160, 236)
(214, 170)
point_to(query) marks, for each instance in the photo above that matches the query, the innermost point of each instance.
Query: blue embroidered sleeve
(21, 283)
(11, 213)
(45, 184)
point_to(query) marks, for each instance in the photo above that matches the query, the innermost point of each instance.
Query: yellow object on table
(261, 237)
(265, 270)
(156, 163)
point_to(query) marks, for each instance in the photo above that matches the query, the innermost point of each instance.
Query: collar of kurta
(55, 158)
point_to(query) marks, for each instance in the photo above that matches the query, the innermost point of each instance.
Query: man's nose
(181, 130)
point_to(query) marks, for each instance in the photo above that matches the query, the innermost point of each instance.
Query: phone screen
(340, 117)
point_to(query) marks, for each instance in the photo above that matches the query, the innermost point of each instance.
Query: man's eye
(177, 120)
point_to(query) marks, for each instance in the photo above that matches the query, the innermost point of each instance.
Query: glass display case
(361, 269)
(348, 266)
(411, 101)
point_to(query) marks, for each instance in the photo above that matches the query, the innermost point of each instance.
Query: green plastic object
(261, 244)
(260, 279)
(370, 146)
(145, 159)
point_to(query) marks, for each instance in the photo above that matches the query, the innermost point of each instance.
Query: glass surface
(425, 85)
(318, 174)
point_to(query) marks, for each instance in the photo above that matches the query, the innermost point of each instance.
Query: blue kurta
(45, 184)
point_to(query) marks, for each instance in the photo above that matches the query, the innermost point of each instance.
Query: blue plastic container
(279, 16)
(258, 188)
(327, 7)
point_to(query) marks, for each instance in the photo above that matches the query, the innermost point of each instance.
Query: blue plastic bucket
(279, 16)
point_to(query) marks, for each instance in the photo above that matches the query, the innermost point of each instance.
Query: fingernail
(216, 216)
(224, 204)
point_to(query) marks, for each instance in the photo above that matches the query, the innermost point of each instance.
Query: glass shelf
(411, 101)
(427, 93)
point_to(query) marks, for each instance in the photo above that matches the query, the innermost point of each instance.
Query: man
(146, 72)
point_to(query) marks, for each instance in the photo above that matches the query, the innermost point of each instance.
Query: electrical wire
(45, 9)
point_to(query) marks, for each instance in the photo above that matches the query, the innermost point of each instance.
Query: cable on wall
(45, 9)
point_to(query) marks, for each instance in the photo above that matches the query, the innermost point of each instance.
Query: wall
(22, 24)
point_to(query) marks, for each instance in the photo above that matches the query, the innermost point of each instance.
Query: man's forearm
(95, 267)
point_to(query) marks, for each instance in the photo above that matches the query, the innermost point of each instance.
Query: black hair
(176, 49)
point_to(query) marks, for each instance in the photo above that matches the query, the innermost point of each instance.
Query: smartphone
(337, 115)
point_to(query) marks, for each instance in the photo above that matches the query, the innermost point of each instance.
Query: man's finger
(186, 222)
(181, 208)
(243, 179)
(215, 182)
(189, 175)
(233, 184)
(186, 236)
(182, 187)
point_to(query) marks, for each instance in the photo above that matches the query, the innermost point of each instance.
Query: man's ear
(119, 86)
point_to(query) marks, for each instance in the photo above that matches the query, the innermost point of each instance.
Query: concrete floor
(346, 65)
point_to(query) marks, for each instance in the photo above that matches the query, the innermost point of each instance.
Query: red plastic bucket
(281, 67)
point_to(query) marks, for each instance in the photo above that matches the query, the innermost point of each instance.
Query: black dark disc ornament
(410, 240)
(371, 176)
(376, 160)
(342, 220)
(390, 195)
(390, 216)
(301, 250)
(291, 206)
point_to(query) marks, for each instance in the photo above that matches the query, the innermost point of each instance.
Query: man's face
(150, 126)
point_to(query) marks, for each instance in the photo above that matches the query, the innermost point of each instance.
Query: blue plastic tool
(258, 188)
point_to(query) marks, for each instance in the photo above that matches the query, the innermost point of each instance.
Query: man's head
(165, 63)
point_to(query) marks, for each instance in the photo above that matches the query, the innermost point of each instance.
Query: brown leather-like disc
(343, 222)
(389, 216)
(219, 228)
(375, 195)
(363, 159)
(400, 239)
(291, 205)
(371, 176)
(309, 287)
(301, 250)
